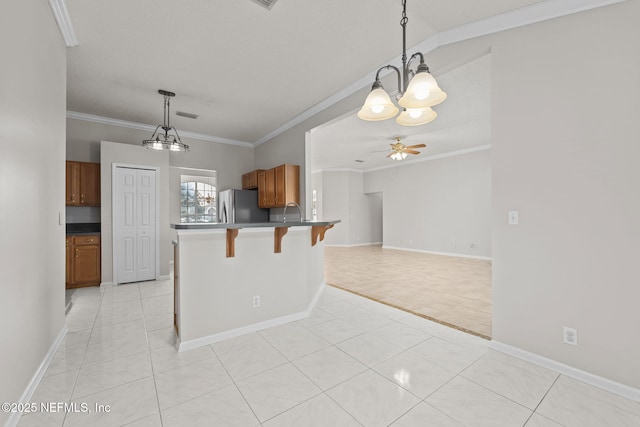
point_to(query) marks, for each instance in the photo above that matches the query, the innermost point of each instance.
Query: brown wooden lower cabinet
(83, 261)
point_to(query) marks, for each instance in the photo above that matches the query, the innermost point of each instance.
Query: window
(197, 199)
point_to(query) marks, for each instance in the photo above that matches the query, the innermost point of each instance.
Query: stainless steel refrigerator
(240, 206)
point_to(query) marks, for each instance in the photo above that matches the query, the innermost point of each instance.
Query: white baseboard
(165, 277)
(486, 258)
(586, 377)
(255, 327)
(352, 246)
(14, 418)
(106, 284)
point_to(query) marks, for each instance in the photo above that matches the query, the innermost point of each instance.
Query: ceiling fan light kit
(417, 90)
(398, 156)
(162, 139)
(399, 151)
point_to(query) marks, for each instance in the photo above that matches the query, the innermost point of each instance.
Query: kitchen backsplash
(82, 214)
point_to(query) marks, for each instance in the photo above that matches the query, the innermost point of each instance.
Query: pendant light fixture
(161, 139)
(418, 91)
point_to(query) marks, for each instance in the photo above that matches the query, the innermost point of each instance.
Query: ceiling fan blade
(417, 146)
(412, 151)
(390, 154)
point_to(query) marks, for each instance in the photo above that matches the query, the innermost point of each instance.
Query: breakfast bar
(233, 279)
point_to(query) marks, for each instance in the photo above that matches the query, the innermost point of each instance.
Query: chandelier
(161, 139)
(418, 91)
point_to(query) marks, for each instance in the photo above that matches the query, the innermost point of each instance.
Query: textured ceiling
(243, 69)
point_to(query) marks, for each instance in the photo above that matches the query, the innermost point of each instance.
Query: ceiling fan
(399, 151)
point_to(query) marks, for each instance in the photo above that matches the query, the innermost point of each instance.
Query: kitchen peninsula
(233, 279)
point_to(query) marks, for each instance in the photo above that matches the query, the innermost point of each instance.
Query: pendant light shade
(423, 91)
(416, 116)
(378, 105)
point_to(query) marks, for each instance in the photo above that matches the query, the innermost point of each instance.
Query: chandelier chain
(404, 19)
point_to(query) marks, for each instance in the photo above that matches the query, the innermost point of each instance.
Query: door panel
(129, 257)
(135, 224)
(146, 226)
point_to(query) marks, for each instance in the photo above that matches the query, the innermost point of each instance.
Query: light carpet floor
(451, 290)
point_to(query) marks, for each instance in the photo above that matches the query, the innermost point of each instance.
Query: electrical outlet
(513, 218)
(256, 301)
(472, 246)
(570, 336)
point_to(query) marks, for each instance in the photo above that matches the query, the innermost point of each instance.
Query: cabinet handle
(82, 198)
(73, 198)
(76, 252)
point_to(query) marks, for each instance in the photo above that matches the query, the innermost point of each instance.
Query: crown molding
(59, 9)
(150, 128)
(341, 170)
(434, 157)
(537, 12)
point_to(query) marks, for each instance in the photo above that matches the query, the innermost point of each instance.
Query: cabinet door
(280, 186)
(86, 263)
(270, 188)
(89, 184)
(72, 192)
(292, 186)
(246, 181)
(69, 260)
(262, 189)
(287, 185)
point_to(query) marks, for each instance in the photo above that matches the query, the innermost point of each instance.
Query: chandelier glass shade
(378, 106)
(418, 90)
(416, 116)
(165, 136)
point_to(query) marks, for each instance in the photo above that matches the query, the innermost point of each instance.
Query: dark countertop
(82, 228)
(210, 226)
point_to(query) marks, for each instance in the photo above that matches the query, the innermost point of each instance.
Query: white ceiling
(250, 73)
(246, 70)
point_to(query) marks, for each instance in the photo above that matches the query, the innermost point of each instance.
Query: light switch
(513, 217)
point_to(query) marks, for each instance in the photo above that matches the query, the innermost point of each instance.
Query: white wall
(32, 138)
(341, 196)
(566, 103)
(440, 205)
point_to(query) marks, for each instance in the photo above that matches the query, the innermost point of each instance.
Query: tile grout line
(543, 397)
(153, 373)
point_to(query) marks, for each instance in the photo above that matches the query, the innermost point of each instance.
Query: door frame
(114, 263)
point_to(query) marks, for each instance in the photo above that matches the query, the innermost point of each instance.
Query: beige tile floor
(352, 362)
(451, 290)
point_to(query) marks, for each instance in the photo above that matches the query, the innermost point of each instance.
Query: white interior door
(134, 224)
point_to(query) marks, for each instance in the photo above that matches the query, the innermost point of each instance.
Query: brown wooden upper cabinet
(250, 180)
(83, 184)
(279, 186)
